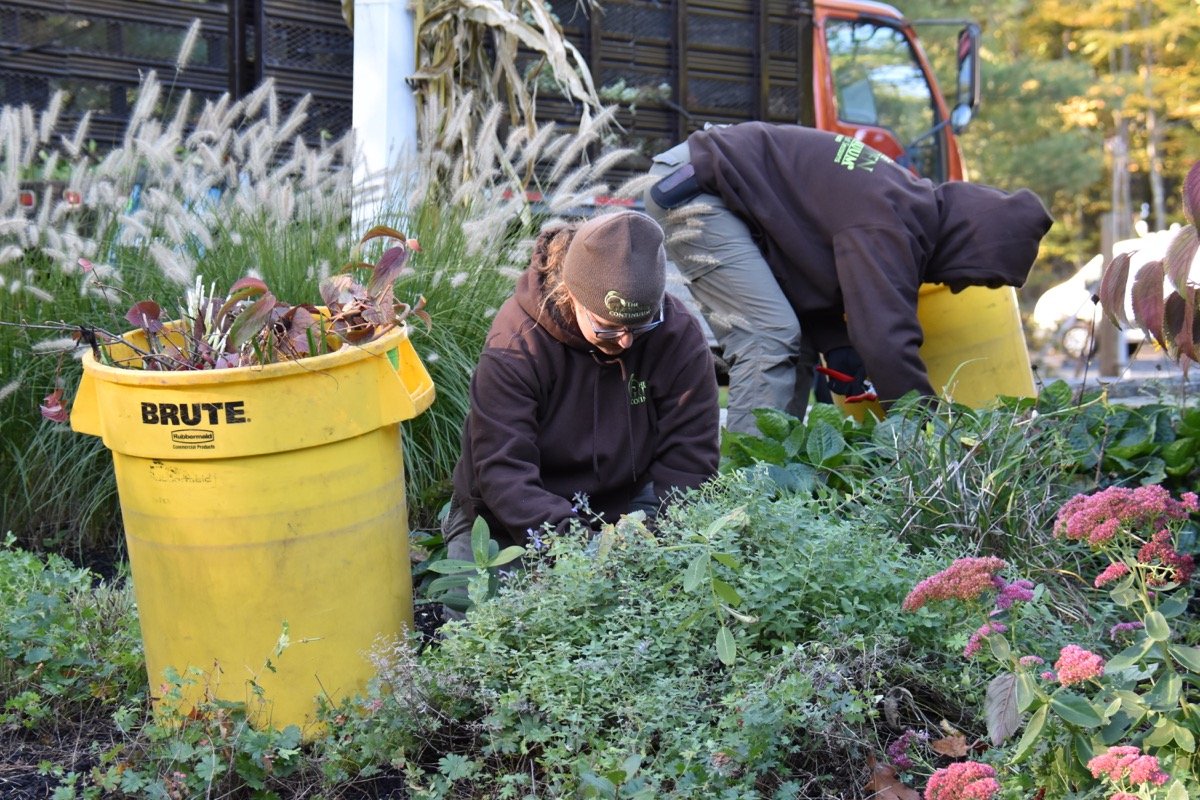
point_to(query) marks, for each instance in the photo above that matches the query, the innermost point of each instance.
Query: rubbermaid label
(185, 419)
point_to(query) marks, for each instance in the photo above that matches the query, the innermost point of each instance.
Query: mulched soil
(68, 745)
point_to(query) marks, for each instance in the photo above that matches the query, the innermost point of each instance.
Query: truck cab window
(879, 82)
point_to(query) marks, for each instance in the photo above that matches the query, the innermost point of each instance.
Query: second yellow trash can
(262, 498)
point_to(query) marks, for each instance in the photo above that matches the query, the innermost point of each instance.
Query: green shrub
(601, 670)
(68, 645)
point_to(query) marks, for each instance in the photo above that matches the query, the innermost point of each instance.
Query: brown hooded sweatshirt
(850, 236)
(551, 417)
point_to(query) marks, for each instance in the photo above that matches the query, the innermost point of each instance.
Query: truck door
(878, 88)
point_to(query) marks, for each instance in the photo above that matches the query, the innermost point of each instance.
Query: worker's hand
(846, 373)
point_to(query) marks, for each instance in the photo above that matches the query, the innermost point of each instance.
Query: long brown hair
(549, 250)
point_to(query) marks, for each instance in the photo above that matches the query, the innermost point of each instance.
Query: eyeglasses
(608, 333)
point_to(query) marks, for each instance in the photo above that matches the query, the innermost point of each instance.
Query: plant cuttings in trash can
(251, 326)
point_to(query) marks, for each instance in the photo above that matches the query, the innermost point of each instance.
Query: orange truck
(851, 66)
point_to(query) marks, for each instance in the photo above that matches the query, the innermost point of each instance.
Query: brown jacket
(551, 417)
(850, 236)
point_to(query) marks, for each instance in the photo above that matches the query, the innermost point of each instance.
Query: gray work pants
(770, 364)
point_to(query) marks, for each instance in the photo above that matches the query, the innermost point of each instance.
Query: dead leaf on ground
(885, 784)
(953, 746)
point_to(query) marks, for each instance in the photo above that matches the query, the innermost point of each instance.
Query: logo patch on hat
(621, 309)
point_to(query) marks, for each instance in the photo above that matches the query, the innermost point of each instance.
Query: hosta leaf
(1148, 299)
(1001, 707)
(1112, 289)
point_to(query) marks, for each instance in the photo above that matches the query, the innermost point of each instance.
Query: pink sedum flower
(1031, 661)
(965, 579)
(1126, 764)
(1076, 665)
(1114, 571)
(975, 643)
(964, 780)
(1098, 518)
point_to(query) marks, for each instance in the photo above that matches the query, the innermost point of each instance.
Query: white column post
(385, 110)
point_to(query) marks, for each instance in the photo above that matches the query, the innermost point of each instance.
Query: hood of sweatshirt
(530, 294)
(986, 237)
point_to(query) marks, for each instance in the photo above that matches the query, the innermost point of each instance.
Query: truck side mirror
(967, 94)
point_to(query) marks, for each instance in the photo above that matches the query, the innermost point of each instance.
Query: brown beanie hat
(616, 267)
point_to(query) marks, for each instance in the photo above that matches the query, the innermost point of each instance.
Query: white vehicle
(1066, 314)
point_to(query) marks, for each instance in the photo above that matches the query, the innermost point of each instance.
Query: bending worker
(593, 381)
(795, 237)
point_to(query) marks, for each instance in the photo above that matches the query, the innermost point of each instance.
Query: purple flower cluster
(1009, 593)
(898, 751)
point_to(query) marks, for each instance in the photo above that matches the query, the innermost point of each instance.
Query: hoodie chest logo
(853, 154)
(637, 390)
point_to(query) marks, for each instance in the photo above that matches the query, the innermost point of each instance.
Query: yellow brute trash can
(974, 347)
(262, 497)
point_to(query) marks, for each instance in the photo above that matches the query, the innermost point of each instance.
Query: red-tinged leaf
(953, 746)
(1188, 335)
(1112, 290)
(251, 321)
(885, 783)
(1180, 254)
(146, 315)
(379, 313)
(413, 245)
(248, 282)
(1191, 194)
(1147, 300)
(390, 266)
(86, 265)
(379, 231)
(1001, 708)
(53, 408)
(338, 290)
(423, 315)
(300, 321)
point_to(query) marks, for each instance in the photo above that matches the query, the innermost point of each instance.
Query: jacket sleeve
(879, 279)
(503, 430)
(688, 416)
